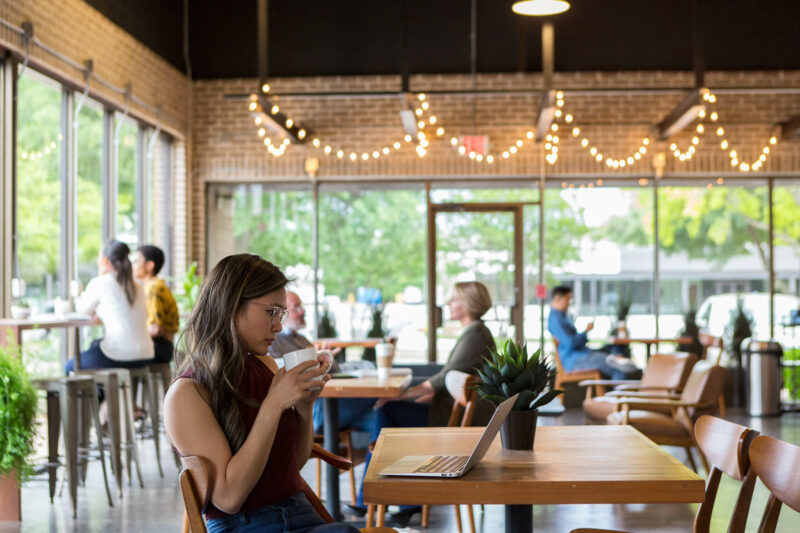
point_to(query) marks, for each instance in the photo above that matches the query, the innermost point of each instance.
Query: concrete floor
(158, 507)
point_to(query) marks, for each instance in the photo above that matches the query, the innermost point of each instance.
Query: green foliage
(738, 329)
(510, 371)
(191, 282)
(692, 330)
(624, 302)
(791, 377)
(326, 328)
(17, 413)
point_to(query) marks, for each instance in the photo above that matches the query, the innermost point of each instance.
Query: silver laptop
(452, 465)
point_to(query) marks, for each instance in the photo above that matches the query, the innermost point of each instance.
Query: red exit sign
(475, 143)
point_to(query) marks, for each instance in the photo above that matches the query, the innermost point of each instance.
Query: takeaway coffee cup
(292, 359)
(384, 353)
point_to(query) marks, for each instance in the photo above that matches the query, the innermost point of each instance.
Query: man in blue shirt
(572, 345)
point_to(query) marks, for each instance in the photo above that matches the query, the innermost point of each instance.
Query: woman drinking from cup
(251, 422)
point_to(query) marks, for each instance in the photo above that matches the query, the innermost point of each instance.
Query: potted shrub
(738, 329)
(325, 328)
(692, 331)
(20, 309)
(376, 332)
(17, 418)
(509, 371)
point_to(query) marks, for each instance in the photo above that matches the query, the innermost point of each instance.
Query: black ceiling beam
(682, 114)
(790, 128)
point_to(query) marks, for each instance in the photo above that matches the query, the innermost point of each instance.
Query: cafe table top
(569, 465)
(343, 343)
(631, 340)
(366, 387)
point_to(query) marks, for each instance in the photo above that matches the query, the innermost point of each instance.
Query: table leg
(519, 518)
(647, 346)
(331, 430)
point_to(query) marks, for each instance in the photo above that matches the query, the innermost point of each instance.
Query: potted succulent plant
(20, 309)
(509, 371)
(17, 418)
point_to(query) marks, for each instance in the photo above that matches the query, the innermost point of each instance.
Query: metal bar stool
(142, 375)
(63, 397)
(162, 373)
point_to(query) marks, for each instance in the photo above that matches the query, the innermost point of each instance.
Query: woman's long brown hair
(214, 355)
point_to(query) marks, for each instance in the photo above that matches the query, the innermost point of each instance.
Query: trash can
(763, 363)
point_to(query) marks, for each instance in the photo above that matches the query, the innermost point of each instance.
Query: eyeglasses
(276, 312)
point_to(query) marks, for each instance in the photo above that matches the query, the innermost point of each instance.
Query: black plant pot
(519, 430)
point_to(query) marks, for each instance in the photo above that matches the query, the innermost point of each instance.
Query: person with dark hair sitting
(116, 300)
(572, 347)
(162, 311)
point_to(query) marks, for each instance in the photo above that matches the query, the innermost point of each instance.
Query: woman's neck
(467, 320)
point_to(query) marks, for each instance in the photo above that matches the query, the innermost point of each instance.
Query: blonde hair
(475, 296)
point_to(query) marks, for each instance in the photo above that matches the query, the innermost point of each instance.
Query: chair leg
(114, 420)
(426, 515)
(380, 519)
(722, 406)
(131, 448)
(53, 430)
(691, 458)
(457, 509)
(319, 477)
(470, 519)
(703, 460)
(69, 413)
(151, 390)
(185, 528)
(95, 405)
(370, 515)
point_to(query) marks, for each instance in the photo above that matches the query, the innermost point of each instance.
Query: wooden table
(569, 465)
(367, 387)
(341, 343)
(648, 342)
(11, 329)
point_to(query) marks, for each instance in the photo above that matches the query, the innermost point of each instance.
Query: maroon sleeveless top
(281, 476)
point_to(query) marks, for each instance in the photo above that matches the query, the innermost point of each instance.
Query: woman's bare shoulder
(185, 391)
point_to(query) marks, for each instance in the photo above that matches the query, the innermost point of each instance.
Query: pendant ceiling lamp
(539, 8)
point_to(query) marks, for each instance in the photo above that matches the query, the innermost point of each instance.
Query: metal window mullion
(166, 190)
(108, 175)
(140, 188)
(67, 179)
(7, 175)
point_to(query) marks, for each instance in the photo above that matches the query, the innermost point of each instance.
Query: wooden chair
(700, 396)
(347, 451)
(575, 376)
(459, 385)
(709, 341)
(776, 463)
(728, 447)
(665, 375)
(195, 485)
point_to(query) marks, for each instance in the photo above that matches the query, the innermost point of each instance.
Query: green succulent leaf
(546, 398)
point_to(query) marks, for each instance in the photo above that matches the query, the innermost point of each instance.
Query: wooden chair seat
(575, 376)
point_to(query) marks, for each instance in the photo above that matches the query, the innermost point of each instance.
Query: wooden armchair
(575, 376)
(715, 343)
(195, 483)
(728, 447)
(665, 375)
(700, 396)
(776, 463)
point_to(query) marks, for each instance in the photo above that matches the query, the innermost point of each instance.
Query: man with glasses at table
(353, 412)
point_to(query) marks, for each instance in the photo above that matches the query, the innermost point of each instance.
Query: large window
(39, 205)
(89, 215)
(127, 143)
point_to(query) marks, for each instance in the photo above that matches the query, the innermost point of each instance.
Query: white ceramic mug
(292, 359)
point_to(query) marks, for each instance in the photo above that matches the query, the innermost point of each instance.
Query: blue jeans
(354, 413)
(95, 358)
(395, 415)
(598, 360)
(292, 515)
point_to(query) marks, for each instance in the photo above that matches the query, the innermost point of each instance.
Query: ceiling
(348, 37)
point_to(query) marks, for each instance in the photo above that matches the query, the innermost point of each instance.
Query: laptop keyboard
(444, 464)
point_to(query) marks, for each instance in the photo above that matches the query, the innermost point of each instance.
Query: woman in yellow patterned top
(162, 311)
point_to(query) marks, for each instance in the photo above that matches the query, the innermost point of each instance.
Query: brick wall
(78, 31)
(227, 148)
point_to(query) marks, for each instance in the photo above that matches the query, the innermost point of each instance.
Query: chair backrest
(726, 446)
(704, 386)
(557, 358)
(195, 484)
(777, 463)
(710, 341)
(668, 371)
(459, 385)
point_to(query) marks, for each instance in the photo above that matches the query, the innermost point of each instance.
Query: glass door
(475, 242)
